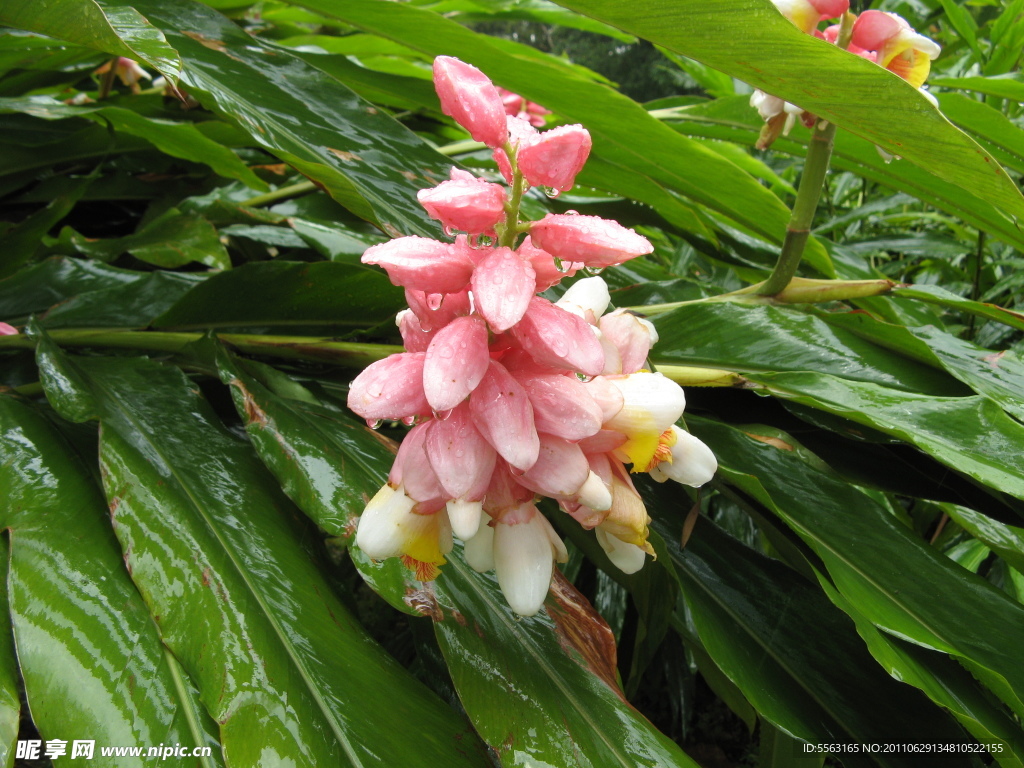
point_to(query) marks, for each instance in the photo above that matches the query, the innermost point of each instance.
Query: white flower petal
(524, 563)
(628, 558)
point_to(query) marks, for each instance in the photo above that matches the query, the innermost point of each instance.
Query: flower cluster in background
(510, 396)
(878, 36)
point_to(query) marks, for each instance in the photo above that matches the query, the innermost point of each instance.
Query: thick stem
(107, 81)
(815, 167)
(510, 230)
(318, 348)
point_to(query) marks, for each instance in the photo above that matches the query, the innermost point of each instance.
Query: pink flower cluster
(511, 396)
(880, 37)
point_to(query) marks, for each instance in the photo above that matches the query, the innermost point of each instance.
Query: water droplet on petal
(409, 421)
(572, 213)
(443, 415)
(374, 423)
(551, 192)
(449, 231)
(434, 300)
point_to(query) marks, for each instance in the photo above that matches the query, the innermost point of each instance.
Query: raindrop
(559, 264)
(443, 415)
(445, 352)
(572, 213)
(552, 192)
(449, 231)
(409, 421)
(459, 453)
(374, 423)
(434, 300)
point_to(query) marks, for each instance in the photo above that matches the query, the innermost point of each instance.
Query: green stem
(282, 193)
(979, 257)
(819, 153)
(511, 229)
(318, 348)
(107, 82)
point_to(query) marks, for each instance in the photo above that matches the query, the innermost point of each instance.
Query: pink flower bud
(8, 330)
(559, 339)
(391, 388)
(468, 96)
(474, 206)
(594, 241)
(456, 360)
(518, 132)
(434, 311)
(502, 412)
(503, 284)
(543, 263)
(423, 264)
(873, 29)
(552, 159)
(900, 49)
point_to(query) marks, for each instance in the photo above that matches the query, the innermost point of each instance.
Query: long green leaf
(624, 135)
(219, 556)
(116, 29)
(76, 614)
(765, 338)
(10, 702)
(365, 159)
(881, 567)
(540, 691)
(182, 140)
(793, 654)
(285, 293)
(733, 119)
(971, 435)
(752, 41)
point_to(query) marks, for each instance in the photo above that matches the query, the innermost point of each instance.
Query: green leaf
(10, 702)
(987, 124)
(876, 563)
(997, 375)
(789, 650)
(934, 294)
(116, 29)
(366, 160)
(182, 140)
(765, 338)
(282, 666)
(173, 239)
(624, 135)
(755, 43)
(131, 305)
(971, 435)
(283, 293)
(23, 240)
(76, 614)
(40, 286)
(541, 690)
(327, 462)
(733, 119)
(964, 24)
(1005, 540)
(1009, 86)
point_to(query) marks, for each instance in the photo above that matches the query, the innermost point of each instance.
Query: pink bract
(559, 339)
(423, 264)
(391, 388)
(474, 206)
(503, 285)
(471, 99)
(552, 159)
(502, 412)
(594, 241)
(873, 29)
(455, 362)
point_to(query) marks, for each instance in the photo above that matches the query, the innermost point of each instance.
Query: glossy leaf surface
(794, 655)
(878, 565)
(116, 29)
(761, 47)
(207, 531)
(76, 614)
(367, 161)
(287, 294)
